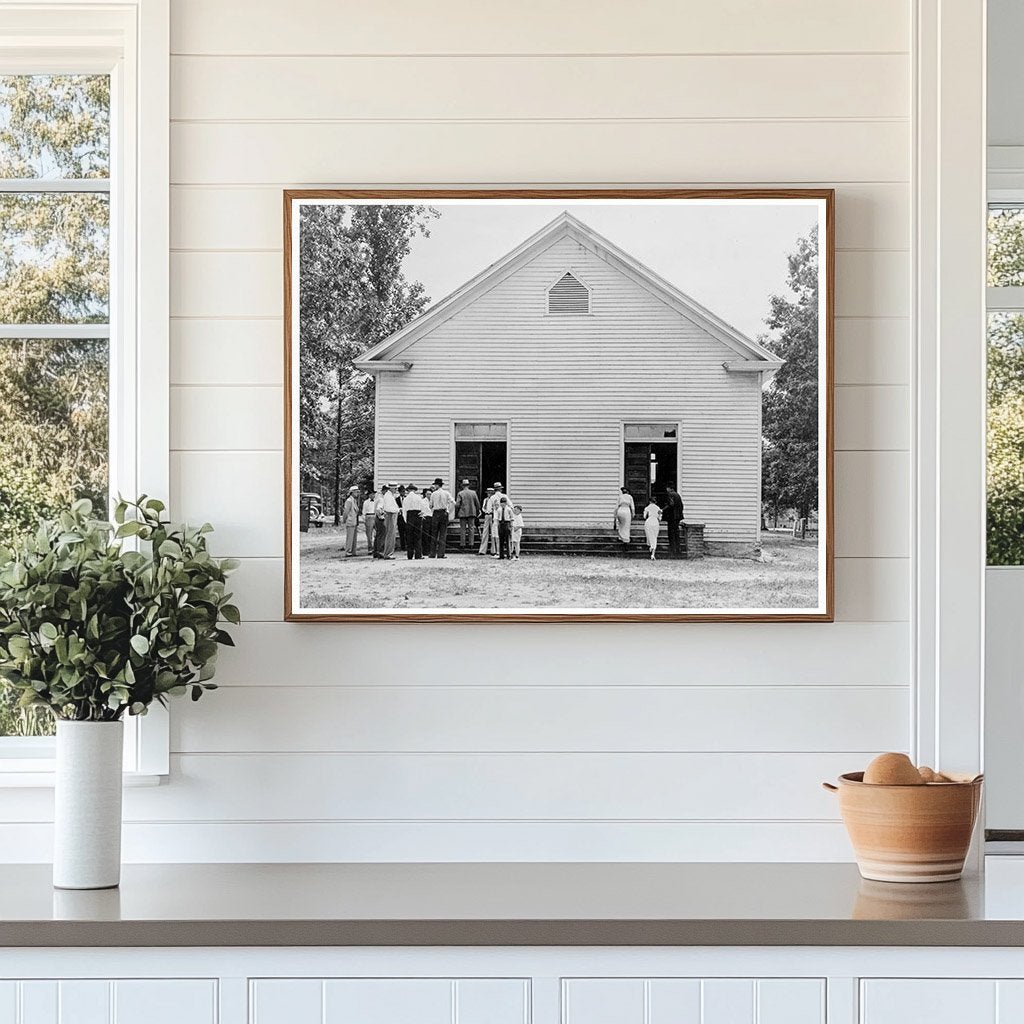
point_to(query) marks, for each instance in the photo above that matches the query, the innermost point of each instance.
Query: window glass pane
(54, 126)
(649, 431)
(53, 449)
(54, 257)
(481, 431)
(1005, 246)
(1005, 439)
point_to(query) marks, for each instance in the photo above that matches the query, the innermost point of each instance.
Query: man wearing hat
(391, 518)
(467, 508)
(440, 502)
(413, 512)
(386, 512)
(350, 520)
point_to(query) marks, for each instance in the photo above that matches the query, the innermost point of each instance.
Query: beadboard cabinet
(512, 985)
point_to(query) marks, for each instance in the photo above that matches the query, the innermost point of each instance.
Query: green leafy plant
(91, 629)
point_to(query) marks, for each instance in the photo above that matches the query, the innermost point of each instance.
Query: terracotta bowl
(909, 833)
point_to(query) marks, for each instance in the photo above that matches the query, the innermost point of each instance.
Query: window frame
(130, 41)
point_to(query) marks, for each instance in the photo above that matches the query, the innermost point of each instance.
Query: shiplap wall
(691, 741)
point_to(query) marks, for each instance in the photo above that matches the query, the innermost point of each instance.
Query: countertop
(558, 904)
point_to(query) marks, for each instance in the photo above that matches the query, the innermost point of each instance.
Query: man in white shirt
(441, 502)
(413, 507)
(488, 535)
(387, 519)
(369, 508)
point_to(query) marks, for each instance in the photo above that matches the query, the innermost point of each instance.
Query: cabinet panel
(727, 1001)
(492, 1002)
(39, 1003)
(674, 1001)
(165, 1002)
(102, 1001)
(790, 1001)
(388, 1001)
(8, 1002)
(286, 1001)
(929, 1001)
(603, 1001)
(693, 1001)
(84, 1002)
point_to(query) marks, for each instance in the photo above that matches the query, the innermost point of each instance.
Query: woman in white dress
(624, 512)
(652, 525)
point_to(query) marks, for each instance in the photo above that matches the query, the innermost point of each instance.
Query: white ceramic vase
(87, 811)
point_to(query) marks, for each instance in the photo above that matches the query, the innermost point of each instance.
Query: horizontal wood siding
(566, 384)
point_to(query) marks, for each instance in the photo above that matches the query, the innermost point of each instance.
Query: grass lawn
(784, 577)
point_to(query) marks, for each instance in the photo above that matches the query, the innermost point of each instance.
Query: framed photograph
(558, 405)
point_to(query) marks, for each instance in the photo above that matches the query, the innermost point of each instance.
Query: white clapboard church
(566, 370)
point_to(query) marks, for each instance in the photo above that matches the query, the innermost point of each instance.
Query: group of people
(671, 513)
(402, 517)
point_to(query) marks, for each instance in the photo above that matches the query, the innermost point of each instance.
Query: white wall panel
(873, 283)
(242, 284)
(872, 350)
(538, 151)
(505, 786)
(704, 654)
(873, 589)
(868, 216)
(872, 498)
(875, 418)
(535, 26)
(211, 352)
(538, 88)
(218, 418)
(241, 493)
(533, 718)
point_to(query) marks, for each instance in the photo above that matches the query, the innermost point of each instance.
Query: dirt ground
(784, 577)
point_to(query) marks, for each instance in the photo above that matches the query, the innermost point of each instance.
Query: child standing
(517, 530)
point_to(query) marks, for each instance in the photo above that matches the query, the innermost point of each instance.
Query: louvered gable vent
(568, 295)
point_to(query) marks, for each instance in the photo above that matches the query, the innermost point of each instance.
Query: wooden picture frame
(823, 200)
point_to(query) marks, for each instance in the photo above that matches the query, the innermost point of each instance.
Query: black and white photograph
(558, 405)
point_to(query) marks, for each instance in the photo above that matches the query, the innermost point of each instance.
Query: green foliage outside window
(54, 269)
(1005, 485)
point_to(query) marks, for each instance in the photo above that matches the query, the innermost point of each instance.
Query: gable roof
(384, 355)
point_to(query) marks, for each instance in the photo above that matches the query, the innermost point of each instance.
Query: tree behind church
(353, 294)
(790, 411)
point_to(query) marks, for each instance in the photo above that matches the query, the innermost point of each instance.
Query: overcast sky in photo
(730, 258)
